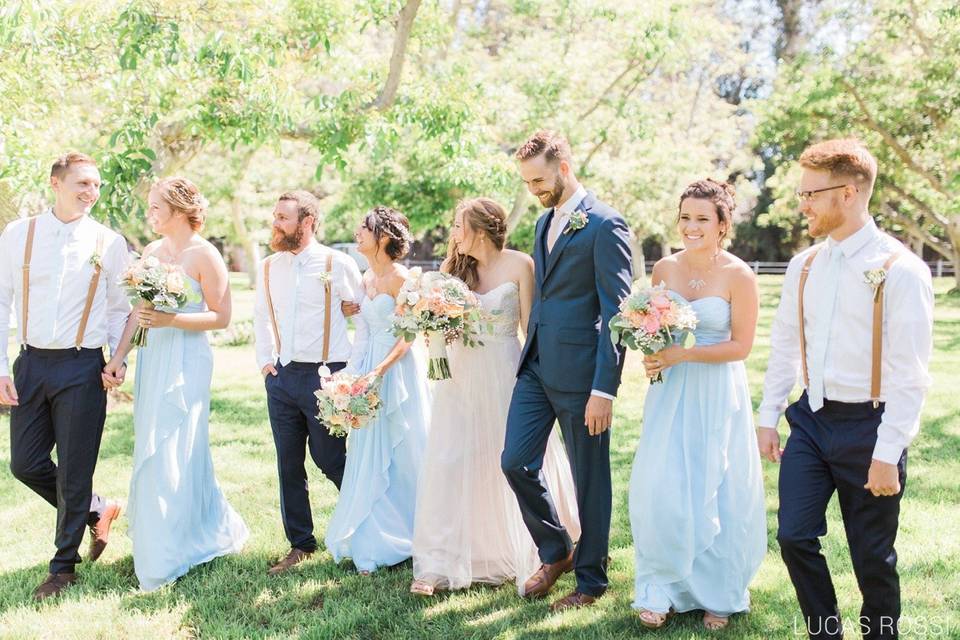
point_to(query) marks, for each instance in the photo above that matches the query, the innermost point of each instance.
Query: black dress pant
(62, 404)
(292, 406)
(533, 409)
(831, 450)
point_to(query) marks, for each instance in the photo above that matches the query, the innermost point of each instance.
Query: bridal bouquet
(651, 319)
(159, 284)
(443, 308)
(348, 401)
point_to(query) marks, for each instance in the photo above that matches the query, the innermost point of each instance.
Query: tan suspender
(91, 290)
(327, 295)
(27, 254)
(327, 290)
(876, 365)
(266, 290)
(803, 335)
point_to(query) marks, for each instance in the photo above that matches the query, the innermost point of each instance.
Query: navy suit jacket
(579, 286)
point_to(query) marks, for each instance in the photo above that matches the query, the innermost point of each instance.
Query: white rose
(413, 298)
(402, 297)
(415, 272)
(151, 262)
(174, 282)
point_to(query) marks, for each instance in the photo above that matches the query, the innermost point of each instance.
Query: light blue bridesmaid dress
(696, 491)
(178, 517)
(373, 521)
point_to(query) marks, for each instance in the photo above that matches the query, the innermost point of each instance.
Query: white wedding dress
(468, 526)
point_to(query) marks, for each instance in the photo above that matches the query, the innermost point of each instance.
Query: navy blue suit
(567, 354)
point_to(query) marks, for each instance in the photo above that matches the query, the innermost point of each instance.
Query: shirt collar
(851, 245)
(302, 257)
(68, 226)
(571, 204)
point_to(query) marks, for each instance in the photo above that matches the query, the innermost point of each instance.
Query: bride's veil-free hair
(483, 216)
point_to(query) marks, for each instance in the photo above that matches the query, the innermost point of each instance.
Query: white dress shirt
(907, 335)
(297, 292)
(60, 273)
(561, 217)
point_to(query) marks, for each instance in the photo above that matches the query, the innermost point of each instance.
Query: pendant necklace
(696, 283)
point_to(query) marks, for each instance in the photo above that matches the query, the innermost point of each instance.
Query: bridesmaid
(468, 524)
(696, 492)
(373, 520)
(179, 517)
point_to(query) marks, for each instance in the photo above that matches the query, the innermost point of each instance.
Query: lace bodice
(503, 305)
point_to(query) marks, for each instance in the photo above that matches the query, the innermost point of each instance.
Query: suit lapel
(540, 245)
(554, 256)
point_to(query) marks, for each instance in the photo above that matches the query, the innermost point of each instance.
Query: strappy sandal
(713, 622)
(421, 588)
(654, 620)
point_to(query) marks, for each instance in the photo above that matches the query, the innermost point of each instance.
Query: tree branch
(912, 227)
(920, 204)
(898, 149)
(404, 25)
(603, 94)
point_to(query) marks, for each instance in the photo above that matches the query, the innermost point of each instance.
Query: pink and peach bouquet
(651, 319)
(348, 401)
(158, 284)
(443, 308)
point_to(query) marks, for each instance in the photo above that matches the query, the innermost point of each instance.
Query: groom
(569, 369)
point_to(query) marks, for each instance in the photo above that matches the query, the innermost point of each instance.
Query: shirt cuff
(768, 418)
(594, 392)
(887, 452)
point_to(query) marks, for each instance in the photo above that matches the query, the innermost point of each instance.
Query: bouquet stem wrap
(139, 338)
(438, 367)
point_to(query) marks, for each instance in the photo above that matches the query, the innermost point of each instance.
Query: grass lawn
(233, 598)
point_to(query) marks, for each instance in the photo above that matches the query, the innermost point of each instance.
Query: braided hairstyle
(184, 197)
(721, 194)
(483, 216)
(384, 222)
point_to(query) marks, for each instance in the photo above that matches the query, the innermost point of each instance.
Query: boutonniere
(875, 278)
(325, 277)
(578, 220)
(95, 260)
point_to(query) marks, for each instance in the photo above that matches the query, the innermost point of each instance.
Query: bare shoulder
(664, 267)
(152, 247)
(518, 257)
(736, 267)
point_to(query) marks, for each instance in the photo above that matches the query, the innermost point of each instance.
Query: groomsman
(60, 272)
(855, 321)
(569, 368)
(299, 328)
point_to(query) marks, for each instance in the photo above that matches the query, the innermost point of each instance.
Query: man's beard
(553, 199)
(286, 241)
(825, 223)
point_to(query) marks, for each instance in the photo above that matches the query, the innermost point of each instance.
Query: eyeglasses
(807, 196)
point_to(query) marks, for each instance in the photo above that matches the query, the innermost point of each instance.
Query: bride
(468, 527)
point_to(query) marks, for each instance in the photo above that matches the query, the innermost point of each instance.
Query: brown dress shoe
(100, 532)
(53, 585)
(572, 601)
(543, 580)
(294, 557)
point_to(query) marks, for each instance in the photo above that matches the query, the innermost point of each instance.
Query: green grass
(232, 597)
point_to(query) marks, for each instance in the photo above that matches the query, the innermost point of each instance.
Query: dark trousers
(293, 418)
(831, 450)
(63, 404)
(533, 409)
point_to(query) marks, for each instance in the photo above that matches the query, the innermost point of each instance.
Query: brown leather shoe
(543, 580)
(294, 557)
(100, 532)
(53, 585)
(574, 600)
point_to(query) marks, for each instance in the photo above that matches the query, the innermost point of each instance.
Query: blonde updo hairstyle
(184, 198)
(483, 216)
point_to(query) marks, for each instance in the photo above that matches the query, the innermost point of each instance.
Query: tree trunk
(404, 25)
(639, 263)
(517, 210)
(251, 251)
